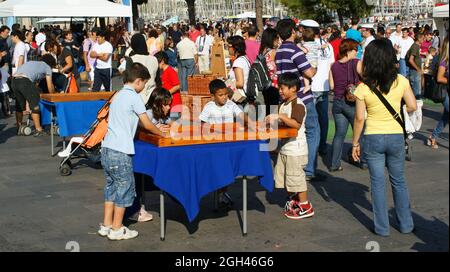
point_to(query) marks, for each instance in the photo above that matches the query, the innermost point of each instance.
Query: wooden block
(199, 84)
(209, 134)
(86, 96)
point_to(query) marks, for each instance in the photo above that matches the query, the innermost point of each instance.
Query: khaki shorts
(289, 173)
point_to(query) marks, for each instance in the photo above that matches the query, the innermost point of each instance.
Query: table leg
(162, 216)
(52, 127)
(244, 204)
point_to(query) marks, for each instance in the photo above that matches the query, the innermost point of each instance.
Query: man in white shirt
(394, 40)
(187, 51)
(404, 44)
(20, 50)
(102, 52)
(204, 43)
(368, 34)
(320, 88)
(40, 37)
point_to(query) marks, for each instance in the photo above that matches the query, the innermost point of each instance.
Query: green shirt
(414, 51)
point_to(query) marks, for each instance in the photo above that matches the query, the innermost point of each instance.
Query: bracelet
(356, 145)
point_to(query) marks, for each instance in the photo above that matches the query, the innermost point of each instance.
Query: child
(221, 110)
(293, 155)
(170, 82)
(158, 112)
(126, 110)
(158, 107)
(311, 49)
(428, 71)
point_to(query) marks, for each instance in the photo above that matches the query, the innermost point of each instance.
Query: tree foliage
(321, 9)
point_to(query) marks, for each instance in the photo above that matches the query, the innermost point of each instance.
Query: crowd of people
(367, 70)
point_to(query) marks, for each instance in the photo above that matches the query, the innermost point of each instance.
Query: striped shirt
(291, 59)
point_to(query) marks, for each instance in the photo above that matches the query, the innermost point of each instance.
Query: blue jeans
(443, 122)
(187, 68)
(415, 79)
(312, 138)
(343, 114)
(118, 169)
(404, 69)
(321, 99)
(388, 151)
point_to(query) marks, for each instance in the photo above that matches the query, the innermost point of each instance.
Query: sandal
(432, 143)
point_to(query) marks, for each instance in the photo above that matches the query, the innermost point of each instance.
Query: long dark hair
(268, 38)
(379, 65)
(157, 100)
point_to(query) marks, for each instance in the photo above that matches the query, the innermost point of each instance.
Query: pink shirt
(252, 50)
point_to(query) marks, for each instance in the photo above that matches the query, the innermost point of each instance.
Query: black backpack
(258, 78)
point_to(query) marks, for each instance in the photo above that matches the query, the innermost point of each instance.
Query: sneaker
(291, 204)
(104, 231)
(303, 211)
(142, 216)
(122, 234)
(41, 133)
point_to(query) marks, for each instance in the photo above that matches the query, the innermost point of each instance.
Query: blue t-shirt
(123, 120)
(355, 35)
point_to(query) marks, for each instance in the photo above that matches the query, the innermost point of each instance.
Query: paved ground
(42, 211)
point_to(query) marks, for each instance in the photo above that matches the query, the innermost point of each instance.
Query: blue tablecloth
(73, 117)
(190, 172)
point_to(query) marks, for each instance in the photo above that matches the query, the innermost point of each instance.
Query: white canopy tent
(59, 20)
(440, 19)
(63, 8)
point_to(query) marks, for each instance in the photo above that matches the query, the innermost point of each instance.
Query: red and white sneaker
(291, 204)
(303, 211)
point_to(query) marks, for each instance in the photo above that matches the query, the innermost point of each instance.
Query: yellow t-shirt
(379, 120)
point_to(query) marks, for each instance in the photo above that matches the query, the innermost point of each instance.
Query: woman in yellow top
(384, 144)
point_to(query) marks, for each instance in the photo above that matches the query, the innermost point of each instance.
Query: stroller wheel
(64, 170)
(409, 152)
(26, 130)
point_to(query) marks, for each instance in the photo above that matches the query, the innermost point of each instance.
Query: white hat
(367, 26)
(309, 23)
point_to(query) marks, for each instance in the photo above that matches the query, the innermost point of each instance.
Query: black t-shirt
(62, 60)
(4, 48)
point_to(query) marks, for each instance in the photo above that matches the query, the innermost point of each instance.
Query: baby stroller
(413, 122)
(87, 146)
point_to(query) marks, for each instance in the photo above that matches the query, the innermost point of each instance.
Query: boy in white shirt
(221, 109)
(102, 53)
(293, 155)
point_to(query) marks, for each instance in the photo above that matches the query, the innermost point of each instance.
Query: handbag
(351, 87)
(238, 95)
(438, 92)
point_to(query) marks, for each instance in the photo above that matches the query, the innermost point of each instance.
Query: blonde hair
(444, 50)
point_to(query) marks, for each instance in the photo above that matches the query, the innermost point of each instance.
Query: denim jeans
(343, 114)
(312, 137)
(186, 68)
(321, 99)
(443, 122)
(415, 79)
(404, 69)
(388, 150)
(118, 169)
